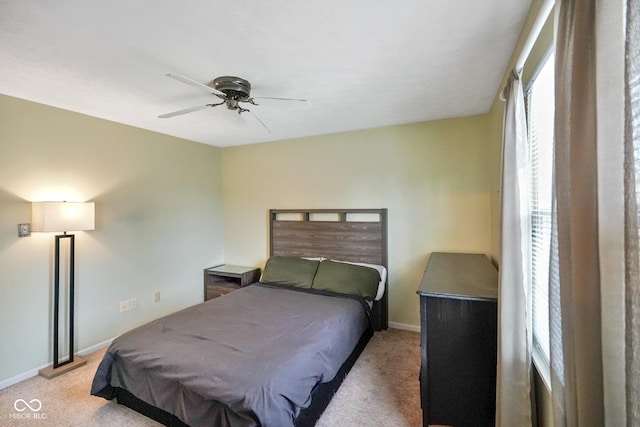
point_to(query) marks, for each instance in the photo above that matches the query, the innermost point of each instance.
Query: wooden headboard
(356, 235)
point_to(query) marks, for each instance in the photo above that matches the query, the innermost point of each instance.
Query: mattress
(251, 357)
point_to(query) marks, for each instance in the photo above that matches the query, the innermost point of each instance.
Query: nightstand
(226, 278)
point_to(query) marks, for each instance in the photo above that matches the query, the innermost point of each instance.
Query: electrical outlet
(129, 304)
(156, 296)
(24, 230)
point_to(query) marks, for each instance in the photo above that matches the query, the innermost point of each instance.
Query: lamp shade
(62, 216)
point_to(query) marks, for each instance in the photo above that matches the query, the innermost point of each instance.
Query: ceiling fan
(231, 90)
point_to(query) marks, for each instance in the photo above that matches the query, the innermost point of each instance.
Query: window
(540, 108)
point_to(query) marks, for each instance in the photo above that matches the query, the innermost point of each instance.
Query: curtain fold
(576, 370)
(632, 201)
(513, 402)
(610, 46)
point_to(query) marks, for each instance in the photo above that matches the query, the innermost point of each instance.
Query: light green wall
(433, 177)
(165, 206)
(158, 224)
(495, 118)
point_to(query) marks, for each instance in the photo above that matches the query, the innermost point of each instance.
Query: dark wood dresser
(458, 328)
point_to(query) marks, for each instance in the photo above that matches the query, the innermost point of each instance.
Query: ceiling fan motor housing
(235, 88)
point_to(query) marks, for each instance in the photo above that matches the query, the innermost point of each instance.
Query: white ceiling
(361, 64)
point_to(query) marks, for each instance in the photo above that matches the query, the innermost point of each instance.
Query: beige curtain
(513, 402)
(576, 350)
(610, 83)
(595, 270)
(632, 201)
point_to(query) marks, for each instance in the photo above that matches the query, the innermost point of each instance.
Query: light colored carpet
(382, 389)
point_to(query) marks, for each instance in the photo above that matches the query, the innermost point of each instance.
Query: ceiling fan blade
(186, 110)
(252, 114)
(197, 84)
(281, 99)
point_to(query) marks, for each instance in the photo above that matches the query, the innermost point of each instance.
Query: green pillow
(347, 279)
(289, 271)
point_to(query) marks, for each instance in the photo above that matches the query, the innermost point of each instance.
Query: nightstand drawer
(223, 279)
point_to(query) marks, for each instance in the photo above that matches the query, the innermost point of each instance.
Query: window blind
(540, 101)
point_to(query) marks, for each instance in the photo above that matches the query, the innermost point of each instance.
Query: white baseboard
(95, 347)
(21, 377)
(33, 372)
(404, 326)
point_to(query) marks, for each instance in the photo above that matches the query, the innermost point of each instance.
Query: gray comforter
(251, 357)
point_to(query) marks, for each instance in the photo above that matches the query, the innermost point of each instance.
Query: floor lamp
(62, 217)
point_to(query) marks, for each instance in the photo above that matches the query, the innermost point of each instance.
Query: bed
(270, 354)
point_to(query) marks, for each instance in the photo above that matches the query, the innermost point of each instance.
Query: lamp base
(49, 372)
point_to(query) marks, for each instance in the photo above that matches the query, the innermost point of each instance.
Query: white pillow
(314, 258)
(381, 269)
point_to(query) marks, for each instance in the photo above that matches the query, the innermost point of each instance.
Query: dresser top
(464, 276)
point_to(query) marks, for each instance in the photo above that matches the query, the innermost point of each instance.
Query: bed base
(320, 396)
(127, 399)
